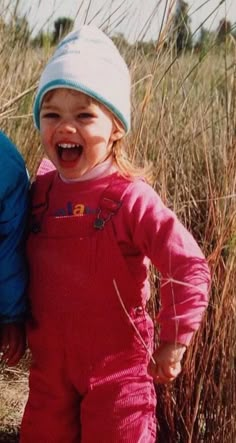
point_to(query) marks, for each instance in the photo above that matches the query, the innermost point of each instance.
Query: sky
(136, 19)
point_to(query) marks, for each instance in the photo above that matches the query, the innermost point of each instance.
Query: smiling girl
(77, 133)
(95, 227)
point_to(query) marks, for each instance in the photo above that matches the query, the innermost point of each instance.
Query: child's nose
(67, 126)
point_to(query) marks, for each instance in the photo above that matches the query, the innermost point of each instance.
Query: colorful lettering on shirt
(74, 209)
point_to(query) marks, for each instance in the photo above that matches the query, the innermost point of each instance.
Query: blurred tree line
(179, 37)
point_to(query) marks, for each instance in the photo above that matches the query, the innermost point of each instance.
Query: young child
(14, 189)
(95, 227)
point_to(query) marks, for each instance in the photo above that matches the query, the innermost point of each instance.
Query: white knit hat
(88, 61)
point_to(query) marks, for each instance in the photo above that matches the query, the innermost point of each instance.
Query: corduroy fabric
(88, 380)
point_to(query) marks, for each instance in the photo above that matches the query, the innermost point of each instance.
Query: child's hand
(168, 358)
(12, 343)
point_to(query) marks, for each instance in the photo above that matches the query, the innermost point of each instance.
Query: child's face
(76, 132)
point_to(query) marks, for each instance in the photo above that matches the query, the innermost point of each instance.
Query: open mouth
(69, 151)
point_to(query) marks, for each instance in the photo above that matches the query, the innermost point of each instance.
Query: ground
(13, 395)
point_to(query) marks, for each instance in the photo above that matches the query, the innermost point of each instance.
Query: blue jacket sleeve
(14, 197)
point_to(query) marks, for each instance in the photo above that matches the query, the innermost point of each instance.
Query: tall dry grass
(184, 122)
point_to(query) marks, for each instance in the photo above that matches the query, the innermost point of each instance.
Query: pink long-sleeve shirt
(147, 231)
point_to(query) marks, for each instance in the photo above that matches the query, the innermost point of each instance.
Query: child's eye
(85, 115)
(50, 115)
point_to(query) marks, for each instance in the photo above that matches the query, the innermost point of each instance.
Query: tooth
(67, 145)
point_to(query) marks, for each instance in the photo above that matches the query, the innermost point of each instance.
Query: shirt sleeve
(14, 194)
(185, 276)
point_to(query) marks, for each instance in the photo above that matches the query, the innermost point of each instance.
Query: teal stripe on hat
(61, 83)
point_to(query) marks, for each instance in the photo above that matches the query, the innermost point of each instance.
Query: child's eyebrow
(48, 105)
(51, 106)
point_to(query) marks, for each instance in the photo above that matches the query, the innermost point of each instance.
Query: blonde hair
(128, 168)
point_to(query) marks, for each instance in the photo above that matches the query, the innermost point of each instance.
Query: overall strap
(111, 200)
(40, 198)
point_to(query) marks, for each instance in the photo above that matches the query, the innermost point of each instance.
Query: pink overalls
(88, 381)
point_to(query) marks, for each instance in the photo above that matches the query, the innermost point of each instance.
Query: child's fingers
(13, 358)
(152, 368)
(5, 352)
(162, 377)
(13, 343)
(164, 373)
(4, 348)
(12, 354)
(172, 371)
